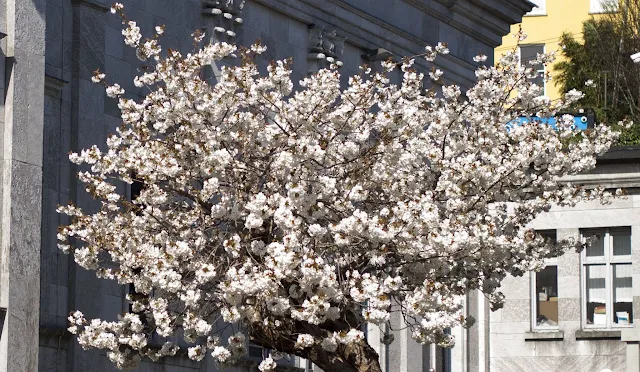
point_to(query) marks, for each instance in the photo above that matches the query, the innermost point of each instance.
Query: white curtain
(622, 279)
(596, 283)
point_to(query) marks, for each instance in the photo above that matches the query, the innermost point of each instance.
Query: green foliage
(603, 56)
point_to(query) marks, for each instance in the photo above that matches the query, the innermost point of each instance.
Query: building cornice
(390, 37)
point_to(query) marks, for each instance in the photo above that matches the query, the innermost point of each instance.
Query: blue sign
(580, 122)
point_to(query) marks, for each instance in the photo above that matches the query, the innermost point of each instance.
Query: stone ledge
(544, 336)
(597, 335)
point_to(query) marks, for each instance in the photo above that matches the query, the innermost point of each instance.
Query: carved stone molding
(53, 86)
(376, 55)
(224, 18)
(325, 48)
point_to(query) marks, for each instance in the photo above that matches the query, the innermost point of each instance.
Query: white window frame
(608, 260)
(540, 9)
(543, 70)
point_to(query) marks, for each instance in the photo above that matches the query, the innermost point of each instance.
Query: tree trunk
(358, 357)
(355, 357)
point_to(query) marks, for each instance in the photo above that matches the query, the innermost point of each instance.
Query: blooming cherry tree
(298, 216)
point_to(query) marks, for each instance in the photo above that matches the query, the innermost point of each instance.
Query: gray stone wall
(66, 40)
(514, 345)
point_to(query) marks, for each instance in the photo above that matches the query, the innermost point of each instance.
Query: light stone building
(580, 312)
(48, 52)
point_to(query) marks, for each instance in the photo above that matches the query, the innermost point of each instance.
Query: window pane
(596, 294)
(622, 294)
(548, 235)
(539, 80)
(600, 6)
(596, 248)
(547, 297)
(530, 53)
(621, 241)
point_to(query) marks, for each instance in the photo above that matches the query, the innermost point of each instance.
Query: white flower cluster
(304, 341)
(267, 365)
(326, 207)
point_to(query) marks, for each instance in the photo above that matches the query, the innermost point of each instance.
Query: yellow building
(545, 24)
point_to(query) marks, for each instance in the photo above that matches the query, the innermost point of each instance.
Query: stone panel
(613, 348)
(110, 307)
(517, 288)
(569, 264)
(516, 311)
(52, 360)
(557, 364)
(569, 346)
(511, 346)
(568, 309)
(509, 328)
(279, 27)
(569, 286)
(298, 34)
(113, 42)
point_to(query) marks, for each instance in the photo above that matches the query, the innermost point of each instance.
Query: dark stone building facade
(49, 50)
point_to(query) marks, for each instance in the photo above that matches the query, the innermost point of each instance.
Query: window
(603, 6)
(539, 9)
(530, 53)
(545, 291)
(607, 278)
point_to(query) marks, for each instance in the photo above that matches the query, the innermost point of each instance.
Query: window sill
(536, 15)
(597, 335)
(555, 335)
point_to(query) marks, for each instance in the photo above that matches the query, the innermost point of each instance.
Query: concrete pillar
(459, 352)
(22, 130)
(478, 334)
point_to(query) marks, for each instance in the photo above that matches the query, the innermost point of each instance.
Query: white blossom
(267, 365)
(442, 48)
(480, 58)
(113, 91)
(435, 74)
(304, 341)
(116, 8)
(132, 34)
(221, 354)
